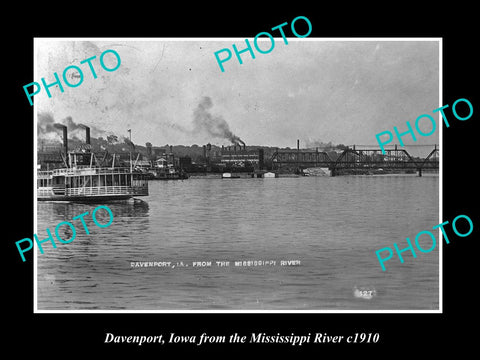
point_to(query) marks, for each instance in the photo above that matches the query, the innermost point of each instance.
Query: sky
(312, 89)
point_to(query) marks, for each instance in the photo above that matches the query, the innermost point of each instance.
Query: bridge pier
(420, 172)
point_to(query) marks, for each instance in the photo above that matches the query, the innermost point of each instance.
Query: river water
(326, 229)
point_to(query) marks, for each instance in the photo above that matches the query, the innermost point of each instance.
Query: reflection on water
(68, 209)
(331, 226)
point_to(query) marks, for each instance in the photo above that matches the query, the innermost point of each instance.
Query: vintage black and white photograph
(209, 175)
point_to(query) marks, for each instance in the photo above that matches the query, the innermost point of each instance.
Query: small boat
(82, 180)
(270, 175)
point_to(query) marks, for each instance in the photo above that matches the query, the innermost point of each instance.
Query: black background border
(68, 334)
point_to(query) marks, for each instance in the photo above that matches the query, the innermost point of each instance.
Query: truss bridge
(358, 159)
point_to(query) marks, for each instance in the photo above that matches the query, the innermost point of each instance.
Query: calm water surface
(333, 226)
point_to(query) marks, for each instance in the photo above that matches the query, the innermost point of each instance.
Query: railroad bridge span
(358, 159)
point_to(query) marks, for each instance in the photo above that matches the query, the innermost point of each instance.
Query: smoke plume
(215, 126)
(47, 131)
(45, 128)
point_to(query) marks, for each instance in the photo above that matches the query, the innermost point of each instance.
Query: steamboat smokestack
(65, 140)
(87, 133)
